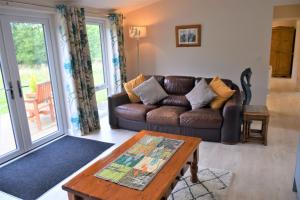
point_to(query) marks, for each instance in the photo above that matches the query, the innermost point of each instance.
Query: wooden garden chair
(42, 103)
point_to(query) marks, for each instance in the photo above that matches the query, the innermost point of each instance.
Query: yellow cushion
(132, 84)
(222, 91)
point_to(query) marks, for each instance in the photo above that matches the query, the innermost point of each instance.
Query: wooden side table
(255, 113)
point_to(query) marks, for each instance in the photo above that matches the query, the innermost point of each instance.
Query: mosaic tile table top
(136, 167)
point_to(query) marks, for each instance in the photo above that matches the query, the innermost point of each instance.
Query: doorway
(283, 98)
(30, 104)
(285, 55)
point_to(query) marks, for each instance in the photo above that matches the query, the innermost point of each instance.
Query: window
(96, 38)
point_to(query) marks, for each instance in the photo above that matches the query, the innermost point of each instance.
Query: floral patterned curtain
(117, 41)
(78, 76)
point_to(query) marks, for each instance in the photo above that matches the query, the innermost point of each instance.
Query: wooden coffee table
(87, 186)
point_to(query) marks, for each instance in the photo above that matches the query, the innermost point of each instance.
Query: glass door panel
(94, 33)
(35, 80)
(94, 38)
(7, 137)
(101, 97)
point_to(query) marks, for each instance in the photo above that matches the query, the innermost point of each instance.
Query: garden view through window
(96, 51)
(31, 53)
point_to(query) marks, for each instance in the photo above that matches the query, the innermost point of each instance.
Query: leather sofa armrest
(113, 102)
(231, 128)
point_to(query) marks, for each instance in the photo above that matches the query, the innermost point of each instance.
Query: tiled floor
(260, 172)
(7, 140)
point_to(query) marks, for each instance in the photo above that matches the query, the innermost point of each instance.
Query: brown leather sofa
(174, 114)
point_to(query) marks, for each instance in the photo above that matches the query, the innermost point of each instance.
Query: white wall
(286, 2)
(235, 34)
(284, 22)
(287, 11)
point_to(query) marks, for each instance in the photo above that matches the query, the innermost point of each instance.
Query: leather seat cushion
(165, 115)
(134, 111)
(201, 118)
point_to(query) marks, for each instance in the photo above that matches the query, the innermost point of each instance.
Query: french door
(30, 100)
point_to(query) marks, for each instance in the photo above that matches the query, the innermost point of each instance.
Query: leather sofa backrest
(176, 100)
(179, 85)
(160, 79)
(208, 80)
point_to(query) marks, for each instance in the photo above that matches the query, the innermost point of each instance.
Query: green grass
(98, 75)
(101, 96)
(93, 32)
(3, 105)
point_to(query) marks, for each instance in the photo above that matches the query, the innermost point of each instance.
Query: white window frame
(103, 37)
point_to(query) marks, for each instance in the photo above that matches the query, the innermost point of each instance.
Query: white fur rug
(213, 185)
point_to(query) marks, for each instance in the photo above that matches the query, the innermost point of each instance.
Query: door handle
(19, 89)
(10, 90)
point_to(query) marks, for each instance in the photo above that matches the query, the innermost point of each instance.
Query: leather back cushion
(179, 85)
(208, 80)
(160, 79)
(176, 100)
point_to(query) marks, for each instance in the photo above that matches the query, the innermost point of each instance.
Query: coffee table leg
(72, 196)
(194, 167)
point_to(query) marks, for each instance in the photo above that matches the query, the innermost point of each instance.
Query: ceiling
(285, 2)
(122, 5)
(133, 4)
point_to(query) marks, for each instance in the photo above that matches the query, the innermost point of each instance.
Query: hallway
(283, 102)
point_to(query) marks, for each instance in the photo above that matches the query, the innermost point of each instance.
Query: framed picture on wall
(188, 35)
